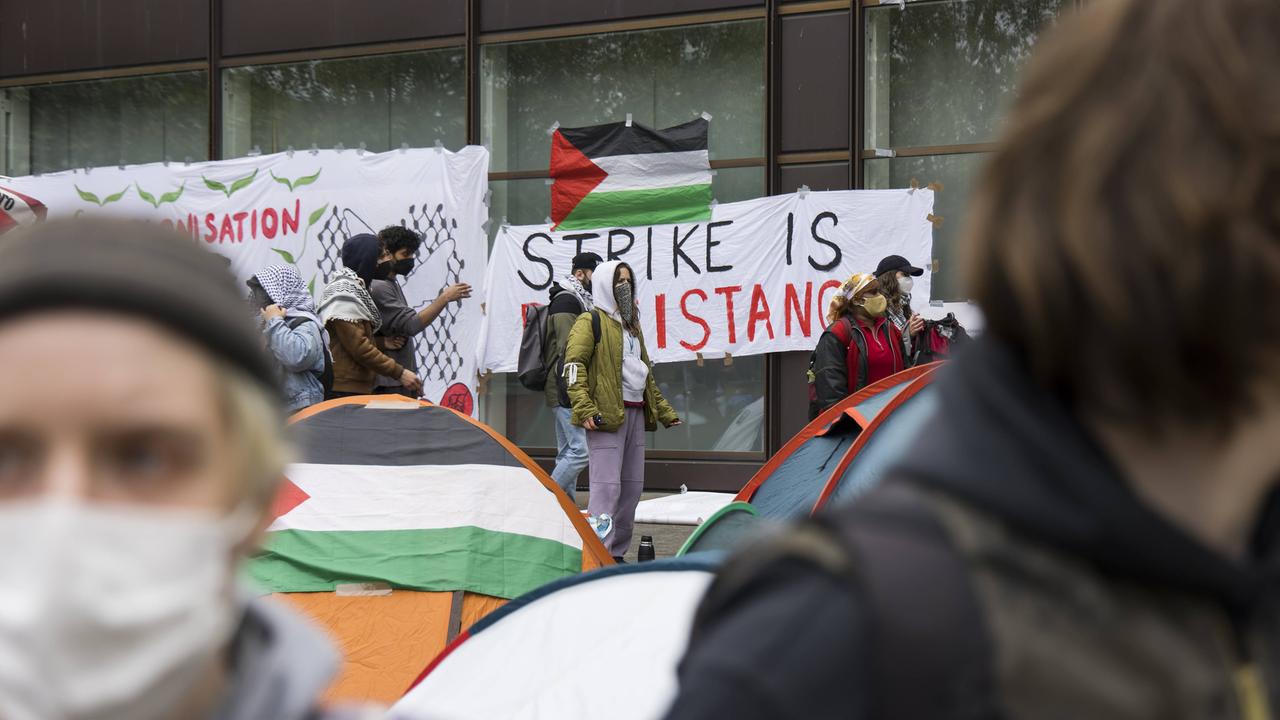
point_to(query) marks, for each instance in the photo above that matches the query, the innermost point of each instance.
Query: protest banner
(756, 278)
(298, 208)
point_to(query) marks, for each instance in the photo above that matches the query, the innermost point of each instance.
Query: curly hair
(398, 237)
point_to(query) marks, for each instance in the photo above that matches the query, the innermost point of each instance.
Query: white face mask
(110, 611)
(905, 283)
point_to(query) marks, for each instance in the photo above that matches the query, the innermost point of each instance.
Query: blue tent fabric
(731, 527)
(885, 446)
(792, 489)
(872, 406)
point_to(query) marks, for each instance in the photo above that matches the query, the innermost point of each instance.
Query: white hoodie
(635, 373)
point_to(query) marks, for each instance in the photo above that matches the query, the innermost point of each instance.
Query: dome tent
(406, 523)
(802, 475)
(540, 656)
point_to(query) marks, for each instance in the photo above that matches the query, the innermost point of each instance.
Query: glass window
(942, 73)
(956, 173)
(662, 77)
(383, 101)
(47, 128)
(722, 406)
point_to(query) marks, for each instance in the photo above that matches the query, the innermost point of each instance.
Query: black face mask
(403, 267)
(382, 270)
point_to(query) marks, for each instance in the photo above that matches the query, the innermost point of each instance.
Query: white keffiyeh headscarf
(584, 295)
(346, 298)
(283, 284)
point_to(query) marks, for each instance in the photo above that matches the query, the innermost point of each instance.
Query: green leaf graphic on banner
(305, 180)
(88, 196)
(295, 184)
(241, 183)
(165, 198)
(288, 256)
(235, 185)
(147, 196)
(315, 216)
(173, 196)
(214, 185)
(112, 198)
(311, 286)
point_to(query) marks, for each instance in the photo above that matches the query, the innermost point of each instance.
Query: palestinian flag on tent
(18, 209)
(420, 499)
(627, 176)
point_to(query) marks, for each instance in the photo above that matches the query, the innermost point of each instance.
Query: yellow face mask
(875, 305)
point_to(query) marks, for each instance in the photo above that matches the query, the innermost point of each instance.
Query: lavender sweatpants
(617, 477)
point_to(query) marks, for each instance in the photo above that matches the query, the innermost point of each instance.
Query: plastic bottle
(646, 551)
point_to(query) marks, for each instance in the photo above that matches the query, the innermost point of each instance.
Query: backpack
(938, 340)
(843, 331)
(325, 376)
(531, 370)
(930, 651)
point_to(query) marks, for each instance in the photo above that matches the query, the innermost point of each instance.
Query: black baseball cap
(899, 264)
(586, 261)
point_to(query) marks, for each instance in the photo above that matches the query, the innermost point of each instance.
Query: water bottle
(646, 552)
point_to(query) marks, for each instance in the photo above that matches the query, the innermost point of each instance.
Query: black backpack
(325, 376)
(932, 654)
(531, 369)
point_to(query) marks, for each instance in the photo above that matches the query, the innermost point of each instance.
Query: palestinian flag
(619, 176)
(484, 528)
(18, 209)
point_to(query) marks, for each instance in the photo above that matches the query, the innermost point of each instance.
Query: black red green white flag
(620, 175)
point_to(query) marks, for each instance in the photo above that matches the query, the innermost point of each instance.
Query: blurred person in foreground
(1088, 525)
(351, 317)
(400, 322)
(294, 334)
(131, 488)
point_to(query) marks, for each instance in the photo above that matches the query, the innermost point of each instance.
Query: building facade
(832, 94)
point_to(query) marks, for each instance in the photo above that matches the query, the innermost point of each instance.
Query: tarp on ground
(602, 644)
(405, 523)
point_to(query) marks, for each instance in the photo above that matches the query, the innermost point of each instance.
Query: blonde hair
(256, 428)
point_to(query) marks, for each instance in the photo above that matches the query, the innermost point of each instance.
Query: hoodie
(1043, 504)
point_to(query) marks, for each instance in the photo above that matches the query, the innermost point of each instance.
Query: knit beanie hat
(135, 269)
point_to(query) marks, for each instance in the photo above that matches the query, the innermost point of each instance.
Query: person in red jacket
(859, 346)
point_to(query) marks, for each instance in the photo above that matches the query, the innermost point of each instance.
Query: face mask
(626, 301)
(111, 612)
(875, 305)
(905, 284)
(382, 270)
(403, 267)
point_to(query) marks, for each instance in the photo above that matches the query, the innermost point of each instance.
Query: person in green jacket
(614, 396)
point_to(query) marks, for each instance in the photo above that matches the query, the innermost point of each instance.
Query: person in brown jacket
(352, 318)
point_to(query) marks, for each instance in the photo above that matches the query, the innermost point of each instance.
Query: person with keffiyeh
(352, 318)
(568, 301)
(293, 331)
